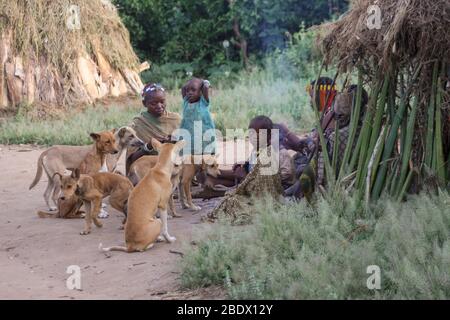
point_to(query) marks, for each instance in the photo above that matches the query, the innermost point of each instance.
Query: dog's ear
(57, 174)
(180, 144)
(122, 132)
(75, 174)
(156, 144)
(95, 136)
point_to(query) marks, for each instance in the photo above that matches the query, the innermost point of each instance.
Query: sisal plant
(64, 53)
(401, 144)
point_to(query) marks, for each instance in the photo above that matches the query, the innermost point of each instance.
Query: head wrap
(151, 88)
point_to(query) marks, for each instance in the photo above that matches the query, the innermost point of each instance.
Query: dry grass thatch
(43, 59)
(411, 30)
(405, 63)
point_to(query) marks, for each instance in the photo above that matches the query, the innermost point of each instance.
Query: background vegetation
(188, 36)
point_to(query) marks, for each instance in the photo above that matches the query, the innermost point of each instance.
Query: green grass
(72, 129)
(291, 252)
(251, 94)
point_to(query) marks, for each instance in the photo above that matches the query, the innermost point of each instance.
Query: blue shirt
(197, 121)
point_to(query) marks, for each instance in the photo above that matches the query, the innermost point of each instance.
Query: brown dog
(152, 193)
(89, 158)
(142, 166)
(208, 165)
(191, 166)
(92, 189)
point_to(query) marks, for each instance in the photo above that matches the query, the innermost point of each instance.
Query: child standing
(197, 119)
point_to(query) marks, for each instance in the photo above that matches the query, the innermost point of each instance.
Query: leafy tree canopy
(197, 32)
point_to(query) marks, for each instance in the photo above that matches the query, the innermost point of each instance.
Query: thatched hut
(401, 50)
(64, 53)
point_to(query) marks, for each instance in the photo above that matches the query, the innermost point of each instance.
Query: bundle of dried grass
(405, 63)
(411, 30)
(64, 53)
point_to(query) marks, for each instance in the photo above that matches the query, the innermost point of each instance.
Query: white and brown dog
(102, 156)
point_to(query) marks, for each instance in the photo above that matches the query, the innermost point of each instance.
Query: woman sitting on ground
(155, 122)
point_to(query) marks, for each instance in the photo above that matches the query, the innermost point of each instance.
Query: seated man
(309, 143)
(341, 114)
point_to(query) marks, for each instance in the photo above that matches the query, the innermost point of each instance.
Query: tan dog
(92, 189)
(152, 193)
(59, 158)
(142, 166)
(189, 169)
(191, 166)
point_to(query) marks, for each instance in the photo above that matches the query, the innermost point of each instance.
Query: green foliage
(299, 59)
(295, 252)
(194, 31)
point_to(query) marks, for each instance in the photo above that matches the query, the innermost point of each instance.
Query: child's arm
(183, 91)
(205, 89)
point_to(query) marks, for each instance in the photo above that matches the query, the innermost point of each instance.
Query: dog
(153, 192)
(91, 189)
(59, 158)
(208, 165)
(183, 179)
(142, 166)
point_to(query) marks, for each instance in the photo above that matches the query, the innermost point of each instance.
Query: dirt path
(35, 253)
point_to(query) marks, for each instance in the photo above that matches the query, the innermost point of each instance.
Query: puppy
(92, 189)
(150, 195)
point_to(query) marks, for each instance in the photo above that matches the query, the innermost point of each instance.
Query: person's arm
(286, 166)
(205, 89)
(290, 140)
(183, 91)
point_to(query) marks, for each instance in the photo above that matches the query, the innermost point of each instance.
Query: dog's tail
(43, 214)
(40, 165)
(115, 248)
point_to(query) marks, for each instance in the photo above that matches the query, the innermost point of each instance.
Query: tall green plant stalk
(356, 108)
(335, 147)
(430, 118)
(438, 147)
(328, 168)
(395, 170)
(405, 186)
(407, 150)
(381, 106)
(392, 138)
(365, 152)
(376, 154)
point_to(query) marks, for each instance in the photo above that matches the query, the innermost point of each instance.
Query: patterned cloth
(196, 115)
(257, 184)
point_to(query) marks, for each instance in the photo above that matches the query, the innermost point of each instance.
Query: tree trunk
(242, 42)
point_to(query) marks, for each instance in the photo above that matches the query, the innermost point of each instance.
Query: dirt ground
(35, 253)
